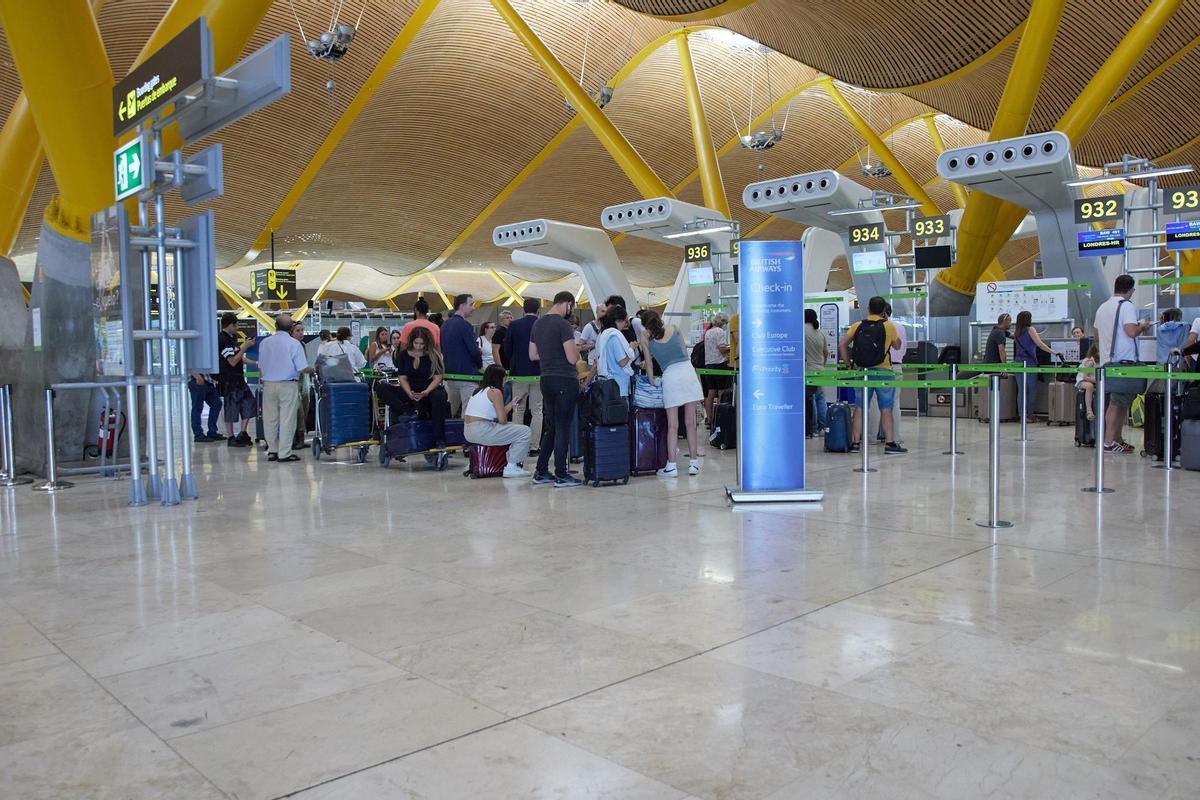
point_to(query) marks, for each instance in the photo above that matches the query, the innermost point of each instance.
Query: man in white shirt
(716, 356)
(281, 361)
(1116, 331)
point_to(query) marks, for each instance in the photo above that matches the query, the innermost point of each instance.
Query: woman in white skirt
(680, 387)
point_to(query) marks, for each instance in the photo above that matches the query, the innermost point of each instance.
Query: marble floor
(335, 630)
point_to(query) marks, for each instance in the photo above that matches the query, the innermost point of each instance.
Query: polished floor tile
(510, 761)
(346, 631)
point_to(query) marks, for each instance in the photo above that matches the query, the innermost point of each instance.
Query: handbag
(647, 394)
(1121, 385)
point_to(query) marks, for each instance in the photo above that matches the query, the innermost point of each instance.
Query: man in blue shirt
(516, 354)
(281, 362)
(460, 351)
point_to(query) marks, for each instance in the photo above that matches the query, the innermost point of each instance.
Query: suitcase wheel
(384, 458)
(362, 454)
(722, 446)
(316, 448)
(442, 460)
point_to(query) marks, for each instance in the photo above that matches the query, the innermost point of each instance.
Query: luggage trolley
(414, 439)
(343, 418)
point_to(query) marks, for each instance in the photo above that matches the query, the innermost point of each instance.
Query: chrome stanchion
(953, 451)
(1168, 420)
(10, 459)
(1101, 411)
(52, 484)
(993, 520)
(862, 437)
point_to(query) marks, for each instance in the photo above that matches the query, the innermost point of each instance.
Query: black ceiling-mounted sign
(273, 285)
(1099, 209)
(162, 78)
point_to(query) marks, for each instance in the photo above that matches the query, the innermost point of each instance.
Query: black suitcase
(723, 435)
(606, 456)
(1152, 429)
(1085, 429)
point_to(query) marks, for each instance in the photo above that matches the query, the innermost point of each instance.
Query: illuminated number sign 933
(1185, 198)
(930, 227)
(867, 234)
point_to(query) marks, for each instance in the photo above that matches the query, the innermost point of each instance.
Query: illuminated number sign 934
(930, 227)
(1099, 209)
(867, 234)
(1185, 198)
(697, 253)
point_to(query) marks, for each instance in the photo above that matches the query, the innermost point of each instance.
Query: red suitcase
(486, 461)
(647, 440)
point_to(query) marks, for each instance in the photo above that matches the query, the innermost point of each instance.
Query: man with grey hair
(502, 324)
(716, 356)
(281, 362)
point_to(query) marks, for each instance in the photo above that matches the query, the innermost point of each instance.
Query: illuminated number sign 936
(1099, 209)
(930, 227)
(867, 234)
(1185, 198)
(697, 253)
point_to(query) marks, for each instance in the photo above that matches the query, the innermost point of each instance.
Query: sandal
(289, 459)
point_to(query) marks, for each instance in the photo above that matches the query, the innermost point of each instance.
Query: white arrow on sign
(758, 394)
(135, 164)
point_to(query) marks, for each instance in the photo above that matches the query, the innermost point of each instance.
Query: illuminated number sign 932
(867, 234)
(1185, 198)
(930, 227)
(1099, 209)
(697, 253)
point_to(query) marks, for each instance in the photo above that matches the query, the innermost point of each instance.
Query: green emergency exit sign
(129, 168)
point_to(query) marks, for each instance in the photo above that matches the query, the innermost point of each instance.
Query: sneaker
(233, 441)
(669, 471)
(272, 456)
(569, 482)
(543, 478)
(894, 447)
(1117, 447)
(244, 440)
(693, 468)
(513, 471)
(855, 447)
(216, 437)
(202, 439)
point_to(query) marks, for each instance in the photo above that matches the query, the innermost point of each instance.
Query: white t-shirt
(485, 347)
(481, 406)
(589, 334)
(714, 339)
(1195, 331)
(897, 352)
(336, 348)
(1126, 346)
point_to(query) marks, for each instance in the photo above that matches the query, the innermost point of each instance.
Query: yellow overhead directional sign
(272, 285)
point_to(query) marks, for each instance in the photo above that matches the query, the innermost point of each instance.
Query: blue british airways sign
(771, 381)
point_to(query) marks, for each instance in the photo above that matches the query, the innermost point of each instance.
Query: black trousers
(435, 406)
(560, 396)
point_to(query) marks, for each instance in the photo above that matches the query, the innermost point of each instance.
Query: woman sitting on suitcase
(680, 386)
(419, 384)
(485, 421)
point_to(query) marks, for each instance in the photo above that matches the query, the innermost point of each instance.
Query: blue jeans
(821, 404)
(1031, 381)
(885, 397)
(204, 393)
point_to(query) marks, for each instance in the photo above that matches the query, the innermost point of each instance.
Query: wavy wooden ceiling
(466, 109)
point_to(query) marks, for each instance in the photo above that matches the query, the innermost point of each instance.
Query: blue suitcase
(345, 413)
(408, 435)
(606, 455)
(454, 433)
(837, 428)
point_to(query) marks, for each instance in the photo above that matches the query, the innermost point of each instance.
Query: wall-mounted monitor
(938, 256)
(700, 275)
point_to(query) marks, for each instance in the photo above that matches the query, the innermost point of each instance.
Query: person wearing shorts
(878, 369)
(240, 405)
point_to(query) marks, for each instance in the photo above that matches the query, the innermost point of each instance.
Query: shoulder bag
(1121, 385)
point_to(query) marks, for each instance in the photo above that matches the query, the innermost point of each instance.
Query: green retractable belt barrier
(1168, 281)
(706, 371)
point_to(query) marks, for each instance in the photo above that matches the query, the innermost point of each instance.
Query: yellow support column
(320, 292)
(236, 299)
(902, 176)
(707, 164)
(65, 73)
(939, 147)
(441, 293)
(391, 304)
(982, 213)
(632, 164)
(521, 287)
(513, 294)
(21, 158)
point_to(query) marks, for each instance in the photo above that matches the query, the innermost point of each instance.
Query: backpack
(603, 404)
(697, 356)
(869, 346)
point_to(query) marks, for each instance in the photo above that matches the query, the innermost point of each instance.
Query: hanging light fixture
(766, 138)
(603, 95)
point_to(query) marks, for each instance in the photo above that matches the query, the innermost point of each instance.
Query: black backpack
(603, 404)
(869, 346)
(697, 356)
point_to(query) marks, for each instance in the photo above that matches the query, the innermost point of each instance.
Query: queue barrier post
(1168, 444)
(993, 520)
(864, 406)
(52, 483)
(953, 451)
(1024, 407)
(10, 478)
(1101, 433)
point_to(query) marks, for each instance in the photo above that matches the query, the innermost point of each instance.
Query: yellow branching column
(707, 165)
